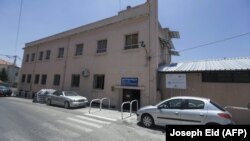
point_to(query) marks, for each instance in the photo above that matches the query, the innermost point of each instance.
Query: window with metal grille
(37, 77)
(60, 53)
(44, 79)
(41, 55)
(101, 46)
(29, 78)
(47, 56)
(33, 57)
(131, 41)
(23, 78)
(79, 49)
(56, 80)
(75, 80)
(99, 82)
(27, 58)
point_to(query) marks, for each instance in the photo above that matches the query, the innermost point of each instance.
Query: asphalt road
(22, 120)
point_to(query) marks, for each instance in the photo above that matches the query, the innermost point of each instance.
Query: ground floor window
(227, 77)
(56, 80)
(75, 80)
(99, 82)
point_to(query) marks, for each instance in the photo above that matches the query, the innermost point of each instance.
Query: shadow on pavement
(156, 128)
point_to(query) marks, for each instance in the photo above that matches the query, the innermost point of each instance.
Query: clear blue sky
(198, 21)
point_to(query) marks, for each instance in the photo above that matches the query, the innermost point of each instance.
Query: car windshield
(70, 93)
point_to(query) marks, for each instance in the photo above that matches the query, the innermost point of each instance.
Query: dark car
(5, 91)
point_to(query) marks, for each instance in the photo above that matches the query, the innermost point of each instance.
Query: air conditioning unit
(85, 72)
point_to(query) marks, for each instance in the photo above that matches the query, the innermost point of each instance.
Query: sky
(198, 22)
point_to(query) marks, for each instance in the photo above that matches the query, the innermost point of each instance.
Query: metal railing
(131, 104)
(93, 101)
(100, 102)
(127, 102)
(130, 107)
(103, 100)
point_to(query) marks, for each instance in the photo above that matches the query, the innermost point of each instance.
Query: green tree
(3, 75)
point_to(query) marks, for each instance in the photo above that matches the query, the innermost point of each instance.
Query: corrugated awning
(228, 64)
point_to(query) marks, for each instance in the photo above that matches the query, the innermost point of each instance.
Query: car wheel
(66, 105)
(48, 102)
(147, 120)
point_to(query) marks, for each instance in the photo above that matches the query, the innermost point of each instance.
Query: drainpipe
(65, 63)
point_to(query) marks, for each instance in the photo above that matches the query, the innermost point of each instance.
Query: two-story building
(116, 57)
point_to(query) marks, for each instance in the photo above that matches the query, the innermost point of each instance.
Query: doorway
(129, 95)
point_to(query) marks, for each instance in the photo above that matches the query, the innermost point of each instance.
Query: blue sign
(128, 81)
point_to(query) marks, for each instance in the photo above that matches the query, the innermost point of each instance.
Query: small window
(225, 77)
(99, 81)
(241, 77)
(44, 79)
(172, 104)
(33, 57)
(101, 46)
(47, 57)
(131, 41)
(60, 53)
(37, 77)
(56, 80)
(29, 78)
(193, 104)
(23, 78)
(75, 81)
(27, 58)
(79, 49)
(41, 55)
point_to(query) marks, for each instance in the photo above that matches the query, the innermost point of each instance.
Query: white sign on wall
(176, 81)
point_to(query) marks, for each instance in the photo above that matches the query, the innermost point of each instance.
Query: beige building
(116, 57)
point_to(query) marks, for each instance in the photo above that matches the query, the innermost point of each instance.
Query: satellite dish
(85, 73)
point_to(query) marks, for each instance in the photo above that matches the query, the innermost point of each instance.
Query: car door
(193, 112)
(169, 112)
(55, 98)
(61, 99)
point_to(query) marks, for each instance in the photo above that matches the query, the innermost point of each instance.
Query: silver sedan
(182, 111)
(67, 99)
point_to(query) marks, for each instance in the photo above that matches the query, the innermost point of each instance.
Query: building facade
(115, 58)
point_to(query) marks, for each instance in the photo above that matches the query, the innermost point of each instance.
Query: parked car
(5, 91)
(41, 95)
(67, 99)
(183, 111)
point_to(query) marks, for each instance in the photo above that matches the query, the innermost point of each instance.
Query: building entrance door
(129, 95)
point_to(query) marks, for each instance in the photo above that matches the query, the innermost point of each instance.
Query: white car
(184, 111)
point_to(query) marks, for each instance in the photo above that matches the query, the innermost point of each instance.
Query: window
(60, 53)
(227, 77)
(47, 57)
(75, 81)
(56, 80)
(101, 46)
(33, 57)
(23, 78)
(172, 104)
(193, 104)
(27, 58)
(58, 93)
(44, 79)
(99, 81)
(29, 78)
(79, 49)
(131, 41)
(41, 55)
(37, 76)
